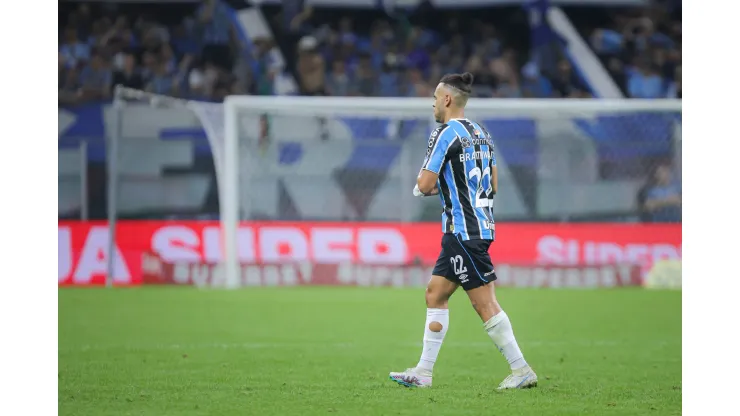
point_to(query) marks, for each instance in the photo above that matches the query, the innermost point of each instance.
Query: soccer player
(460, 167)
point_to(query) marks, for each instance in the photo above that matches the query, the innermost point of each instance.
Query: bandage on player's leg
(437, 294)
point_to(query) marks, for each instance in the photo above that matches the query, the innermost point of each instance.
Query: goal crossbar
(422, 106)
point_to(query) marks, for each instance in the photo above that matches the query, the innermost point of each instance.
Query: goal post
(230, 208)
(212, 119)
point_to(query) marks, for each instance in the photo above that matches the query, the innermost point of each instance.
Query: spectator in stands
(649, 37)
(153, 39)
(225, 84)
(75, 51)
(534, 85)
(310, 67)
(454, 51)
(129, 75)
(388, 80)
(490, 47)
(183, 40)
(644, 81)
(435, 70)
(182, 72)
(267, 66)
(149, 65)
(670, 67)
(607, 42)
(660, 199)
(415, 84)
(507, 79)
(196, 83)
(566, 84)
(364, 82)
(377, 47)
(394, 57)
(660, 63)
(347, 50)
(120, 31)
(346, 34)
(509, 87)
(616, 70)
(338, 82)
(674, 88)
(68, 87)
(415, 50)
(96, 79)
(98, 33)
(215, 25)
(162, 82)
(63, 68)
(484, 83)
(211, 75)
(167, 56)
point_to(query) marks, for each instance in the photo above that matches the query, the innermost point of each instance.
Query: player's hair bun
(467, 78)
(461, 82)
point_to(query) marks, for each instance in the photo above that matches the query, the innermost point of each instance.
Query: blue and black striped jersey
(461, 153)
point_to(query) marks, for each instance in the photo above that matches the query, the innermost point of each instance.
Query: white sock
(500, 331)
(433, 340)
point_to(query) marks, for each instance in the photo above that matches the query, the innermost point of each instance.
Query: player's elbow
(425, 186)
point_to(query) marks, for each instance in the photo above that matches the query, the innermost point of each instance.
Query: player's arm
(494, 175)
(494, 179)
(439, 141)
(492, 163)
(427, 182)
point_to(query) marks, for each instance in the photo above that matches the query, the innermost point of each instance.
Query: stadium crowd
(194, 56)
(407, 55)
(381, 63)
(196, 53)
(641, 48)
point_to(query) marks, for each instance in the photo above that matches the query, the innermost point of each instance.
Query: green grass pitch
(319, 350)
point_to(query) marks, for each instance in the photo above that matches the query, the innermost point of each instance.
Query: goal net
(356, 159)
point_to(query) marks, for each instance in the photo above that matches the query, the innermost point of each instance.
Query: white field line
(341, 345)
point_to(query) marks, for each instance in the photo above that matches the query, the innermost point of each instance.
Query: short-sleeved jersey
(461, 153)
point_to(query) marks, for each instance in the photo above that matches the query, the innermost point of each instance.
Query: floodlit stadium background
(590, 200)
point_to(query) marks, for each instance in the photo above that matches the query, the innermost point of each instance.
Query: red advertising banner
(83, 246)
(155, 271)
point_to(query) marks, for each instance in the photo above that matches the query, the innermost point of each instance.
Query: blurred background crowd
(175, 49)
(207, 49)
(642, 50)
(196, 50)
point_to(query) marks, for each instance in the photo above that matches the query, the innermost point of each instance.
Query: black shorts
(465, 262)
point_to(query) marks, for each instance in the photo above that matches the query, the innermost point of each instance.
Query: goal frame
(333, 106)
